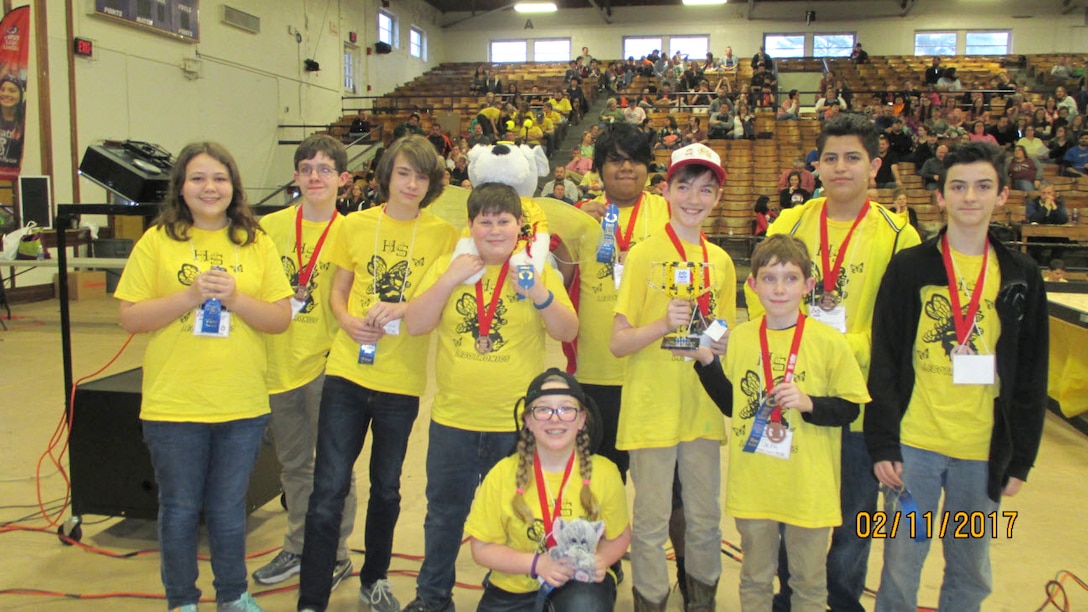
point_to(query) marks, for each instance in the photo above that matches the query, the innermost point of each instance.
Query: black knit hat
(574, 389)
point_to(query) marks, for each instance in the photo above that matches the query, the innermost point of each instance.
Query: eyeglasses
(565, 413)
(322, 171)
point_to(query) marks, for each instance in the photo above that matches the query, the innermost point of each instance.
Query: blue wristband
(545, 303)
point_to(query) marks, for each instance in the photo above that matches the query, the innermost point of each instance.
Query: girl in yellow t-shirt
(511, 524)
(207, 285)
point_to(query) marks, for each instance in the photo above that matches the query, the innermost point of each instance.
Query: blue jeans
(457, 460)
(347, 411)
(967, 580)
(848, 557)
(203, 467)
(574, 595)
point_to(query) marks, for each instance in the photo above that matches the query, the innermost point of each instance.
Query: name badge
(777, 441)
(296, 306)
(367, 353)
(617, 274)
(393, 327)
(973, 369)
(211, 320)
(836, 317)
(526, 274)
(716, 329)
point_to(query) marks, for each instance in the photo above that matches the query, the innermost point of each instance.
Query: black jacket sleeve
(1028, 398)
(831, 412)
(717, 386)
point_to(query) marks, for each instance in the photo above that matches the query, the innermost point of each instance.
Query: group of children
(841, 294)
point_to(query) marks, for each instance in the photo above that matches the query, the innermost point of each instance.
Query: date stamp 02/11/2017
(956, 525)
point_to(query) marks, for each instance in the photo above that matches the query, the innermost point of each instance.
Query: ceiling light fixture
(535, 7)
(702, 2)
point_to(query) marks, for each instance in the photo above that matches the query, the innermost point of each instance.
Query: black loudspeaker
(110, 465)
(136, 171)
(35, 201)
(383, 48)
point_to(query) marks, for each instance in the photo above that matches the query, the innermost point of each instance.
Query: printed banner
(14, 53)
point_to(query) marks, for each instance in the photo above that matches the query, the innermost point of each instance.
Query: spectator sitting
(808, 180)
(1076, 157)
(1056, 271)
(656, 182)
(933, 168)
(460, 170)
(1034, 146)
(440, 141)
(591, 185)
(900, 207)
(859, 55)
(479, 81)
(830, 99)
(978, 132)
(666, 99)
(926, 146)
(934, 72)
(793, 194)
(560, 174)
(949, 81)
(360, 126)
(478, 136)
(634, 113)
(1024, 172)
(764, 216)
(1005, 133)
(701, 98)
(611, 112)
(887, 176)
(693, 133)
(559, 192)
(899, 138)
(790, 108)
(1061, 70)
(729, 61)
(408, 127)
(579, 164)
(668, 137)
(1059, 144)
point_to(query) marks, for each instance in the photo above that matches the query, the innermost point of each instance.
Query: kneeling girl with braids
(552, 475)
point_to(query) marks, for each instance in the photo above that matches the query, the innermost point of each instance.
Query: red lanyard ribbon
(542, 494)
(831, 274)
(791, 362)
(963, 323)
(624, 240)
(486, 315)
(704, 299)
(304, 271)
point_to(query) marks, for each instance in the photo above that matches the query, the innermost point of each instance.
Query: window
(832, 45)
(417, 43)
(784, 45)
(640, 47)
(987, 43)
(694, 47)
(509, 51)
(387, 28)
(551, 50)
(934, 43)
(349, 68)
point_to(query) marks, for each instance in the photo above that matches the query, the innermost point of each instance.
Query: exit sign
(84, 47)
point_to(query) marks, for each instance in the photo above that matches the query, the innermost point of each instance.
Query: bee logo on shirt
(390, 283)
(535, 533)
(605, 271)
(939, 309)
(291, 270)
(187, 274)
(753, 390)
(466, 307)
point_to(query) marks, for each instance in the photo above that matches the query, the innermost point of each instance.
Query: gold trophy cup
(682, 280)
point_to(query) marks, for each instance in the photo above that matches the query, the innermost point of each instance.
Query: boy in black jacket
(958, 380)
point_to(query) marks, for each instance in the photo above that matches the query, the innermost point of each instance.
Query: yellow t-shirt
(880, 235)
(478, 392)
(804, 489)
(592, 182)
(954, 420)
(298, 356)
(663, 402)
(199, 378)
(492, 518)
(491, 113)
(563, 106)
(597, 301)
(389, 261)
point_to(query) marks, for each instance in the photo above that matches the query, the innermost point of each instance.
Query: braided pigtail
(526, 452)
(585, 467)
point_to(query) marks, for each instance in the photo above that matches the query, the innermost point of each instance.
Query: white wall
(881, 28)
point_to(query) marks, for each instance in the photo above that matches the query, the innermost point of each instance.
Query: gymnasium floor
(1048, 534)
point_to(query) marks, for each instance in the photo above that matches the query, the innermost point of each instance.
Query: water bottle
(1076, 216)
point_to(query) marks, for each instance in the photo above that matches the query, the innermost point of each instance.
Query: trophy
(683, 280)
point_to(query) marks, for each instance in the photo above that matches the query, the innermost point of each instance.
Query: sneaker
(281, 568)
(185, 608)
(340, 571)
(418, 605)
(379, 596)
(245, 603)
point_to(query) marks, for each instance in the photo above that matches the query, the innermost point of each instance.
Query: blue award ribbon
(525, 278)
(367, 353)
(606, 250)
(760, 423)
(909, 506)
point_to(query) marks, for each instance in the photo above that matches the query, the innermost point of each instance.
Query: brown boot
(644, 605)
(700, 596)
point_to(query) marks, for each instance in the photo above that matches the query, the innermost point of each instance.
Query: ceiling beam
(475, 15)
(606, 16)
(751, 9)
